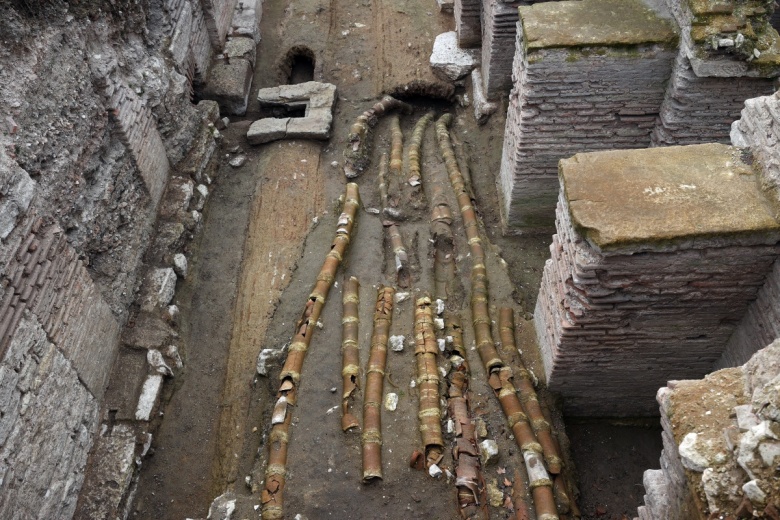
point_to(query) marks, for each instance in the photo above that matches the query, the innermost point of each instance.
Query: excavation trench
(269, 226)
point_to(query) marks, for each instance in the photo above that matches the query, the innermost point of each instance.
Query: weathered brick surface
(218, 14)
(47, 424)
(467, 22)
(499, 32)
(700, 110)
(759, 130)
(613, 328)
(137, 129)
(45, 277)
(566, 101)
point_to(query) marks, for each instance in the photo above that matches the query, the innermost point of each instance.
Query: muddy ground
(267, 228)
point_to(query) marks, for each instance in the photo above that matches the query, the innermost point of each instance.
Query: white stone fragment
(440, 307)
(222, 507)
(488, 450)
(155, 358)
(266, 355)
(442, 344)
(238, 161)
(148, 398)
(725, 42)
(439, 322)
(401, 297)
(754, 493)
(172, 352)
(434, 471)
(746, 419)
(450, 61)
(690, 453)
(391, 402)
(397, 343)
(180, 264)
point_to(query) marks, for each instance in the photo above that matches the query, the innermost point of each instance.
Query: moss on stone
(582, 23)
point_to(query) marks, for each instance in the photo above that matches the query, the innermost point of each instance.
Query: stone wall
(96, 114)
(716, 69)
(580, 84)
(720, 450)
(648, 277)
(759, 130)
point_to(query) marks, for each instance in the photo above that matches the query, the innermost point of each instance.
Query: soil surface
(267, 229)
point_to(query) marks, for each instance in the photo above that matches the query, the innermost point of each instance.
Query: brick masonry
(44, 276)
(759, 130)
(700, 110)
(467, 22)
(499, 32)
(614, 326)
(573, 100)
(218, 14)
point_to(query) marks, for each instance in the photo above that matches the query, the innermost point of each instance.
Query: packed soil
(267, 228)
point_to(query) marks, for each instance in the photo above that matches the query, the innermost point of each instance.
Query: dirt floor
(267, 228)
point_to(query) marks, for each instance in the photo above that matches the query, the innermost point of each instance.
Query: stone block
(267, 130)
(309, 127)
(450, 61)
(112, 466)
(16, 193)
(228, 84)
(318, 100)
(241, 47)
(158, 289)
(246, 19)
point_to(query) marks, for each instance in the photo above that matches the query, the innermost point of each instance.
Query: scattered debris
(391, 402)
(397, 343)
(237, 161)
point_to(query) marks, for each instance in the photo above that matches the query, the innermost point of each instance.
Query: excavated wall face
(658, 254)
(96, 113)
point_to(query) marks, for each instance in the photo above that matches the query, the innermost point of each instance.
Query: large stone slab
(582, 23)
(657, 195)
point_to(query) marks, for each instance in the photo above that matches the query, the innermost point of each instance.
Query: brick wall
(467, 23)
(137, 129)
(569, 100)
(499, 31)
(218, 14)
(759, 130)
(700, 110)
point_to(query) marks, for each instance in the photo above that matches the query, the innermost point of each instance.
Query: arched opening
(298, 65)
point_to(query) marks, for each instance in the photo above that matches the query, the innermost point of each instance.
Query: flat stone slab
(450, 61)
(267, 130)
(318, 100)
(581, 23)
(664, 195)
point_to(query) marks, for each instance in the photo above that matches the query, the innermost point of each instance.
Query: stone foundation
(588, 75)
(658, 254)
